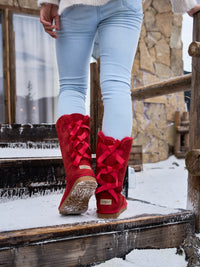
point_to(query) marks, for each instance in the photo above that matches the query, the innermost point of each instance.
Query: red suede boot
(74, 137)
(112, 159)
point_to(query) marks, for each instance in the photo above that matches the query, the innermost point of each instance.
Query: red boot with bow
(112, 160)
(74, 137)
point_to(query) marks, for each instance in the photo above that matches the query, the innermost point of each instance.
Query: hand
(194, 10)
(48, 15)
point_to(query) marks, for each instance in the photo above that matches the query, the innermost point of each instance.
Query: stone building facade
(159, 57)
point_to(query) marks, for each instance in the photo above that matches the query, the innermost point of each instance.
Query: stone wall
(159, 56)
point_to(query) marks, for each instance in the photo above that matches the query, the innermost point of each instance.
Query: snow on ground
(148, 258)
(28, 153)
(43, 211)
(163, 183)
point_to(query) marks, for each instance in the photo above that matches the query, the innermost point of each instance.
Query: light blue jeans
(118, 24)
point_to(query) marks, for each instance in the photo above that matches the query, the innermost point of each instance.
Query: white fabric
(182, 6)
(66, 3)
(178, 6)
(36, 72)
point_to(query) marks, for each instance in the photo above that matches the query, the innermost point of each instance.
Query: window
(36, 72)
(1, 76)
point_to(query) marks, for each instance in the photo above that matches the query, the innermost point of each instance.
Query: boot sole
(78, 198)
(111, 215)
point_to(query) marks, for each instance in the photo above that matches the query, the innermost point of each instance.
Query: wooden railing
(194, 133)
(178, 84)
(174, 85)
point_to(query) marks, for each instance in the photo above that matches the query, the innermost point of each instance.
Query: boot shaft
(112, 159)
(74, 138)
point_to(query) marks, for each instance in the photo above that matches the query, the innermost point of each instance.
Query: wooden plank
(174, 85)
(93, 242)
(20, 5)
(182, 129)
(23, 133)
(194, 135)
(27, 176)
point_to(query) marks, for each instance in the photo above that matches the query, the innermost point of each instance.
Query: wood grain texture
(178, 84)
(88, 243)
(96, 104)
(20, 5)
(194, 134)
(23, 133)
(6, 65)
(194, 49)
(192, 162)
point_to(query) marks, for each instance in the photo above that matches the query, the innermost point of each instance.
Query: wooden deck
(95, 240)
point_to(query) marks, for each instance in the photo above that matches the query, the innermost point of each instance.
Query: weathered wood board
(174, 85)
(193, 201)
(21, 5)
(33, 135)
(86, 243)
(26, 176)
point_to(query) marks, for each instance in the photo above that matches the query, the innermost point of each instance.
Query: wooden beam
(6, 64)
(174, 85)
(194, 49)
(84, 244)
(12, 64)
(194, 134)
(37, 134)
(96, 105)
(20, 5)
(29, 176)
(192, 162)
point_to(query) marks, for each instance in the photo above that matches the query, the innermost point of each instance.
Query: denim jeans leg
(74, 47)
(118, 40)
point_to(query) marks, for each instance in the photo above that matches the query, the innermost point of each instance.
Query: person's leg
(73, 46)
(119, 32)
(118, 37)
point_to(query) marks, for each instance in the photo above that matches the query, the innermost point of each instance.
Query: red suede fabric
(74, 138)
(112, 159)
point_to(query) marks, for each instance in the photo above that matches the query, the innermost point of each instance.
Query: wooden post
(193, 201)
(192, 162)
(177, 145)
(12, 59)
(185, 123)
(194, 49)
(6, 65)
(9, 67)
(96, 105)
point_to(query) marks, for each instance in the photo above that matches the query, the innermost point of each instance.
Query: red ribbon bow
(105, 169)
